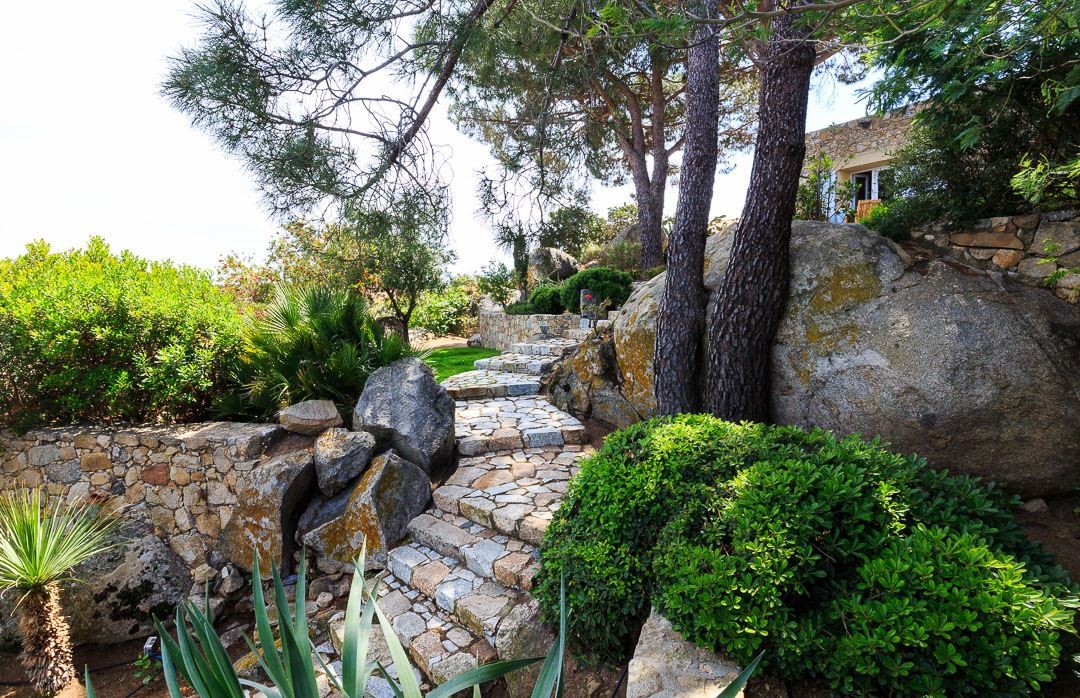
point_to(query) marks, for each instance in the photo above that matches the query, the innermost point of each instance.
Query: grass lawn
(449, 362)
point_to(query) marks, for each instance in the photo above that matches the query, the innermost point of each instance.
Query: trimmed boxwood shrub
(843, 561)
(520, 308)
(611, 287)
(546, 298)
(86, 335)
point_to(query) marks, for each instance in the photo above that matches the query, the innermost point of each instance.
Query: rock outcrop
(550, 264)
(270, 498)
(404, 408)
(667, 666)
(119, 592)
(341, 455)
(936, 358)
(376, 509)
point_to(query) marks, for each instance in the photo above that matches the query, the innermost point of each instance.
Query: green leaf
(735, 687)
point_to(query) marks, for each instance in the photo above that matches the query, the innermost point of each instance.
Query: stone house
(860, 150)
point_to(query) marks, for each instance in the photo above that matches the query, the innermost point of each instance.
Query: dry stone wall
(499, 330)
(846, 142)
(182, 479)
(1027, 249)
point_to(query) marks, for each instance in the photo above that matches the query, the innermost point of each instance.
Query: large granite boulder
(341, 455)
(978, 375)
(404, 408)
(310, 417)
(120, 592)
(270, 499)
(550, 264)
(376, 509)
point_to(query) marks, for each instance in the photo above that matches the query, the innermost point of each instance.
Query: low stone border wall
(499, 330)
(1017, 247)
(181, 478)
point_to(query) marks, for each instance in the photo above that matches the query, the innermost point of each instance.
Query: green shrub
(520, 308)
(841, 560)
(450, 311)
(547, 298)
(611, 287)
(311, 344)
(86, 335)
(498, 282)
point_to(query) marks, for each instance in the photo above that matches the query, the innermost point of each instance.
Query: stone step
(578, 334)
(440, 646)
(604, 324)
(491, 555)
(472, 385)
(552, 346)
(477, 603)
(507, 423)
(513, 492)
(530, 364)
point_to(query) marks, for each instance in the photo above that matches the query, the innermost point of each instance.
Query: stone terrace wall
(499, 330)
(181, 478)
(1015, 246)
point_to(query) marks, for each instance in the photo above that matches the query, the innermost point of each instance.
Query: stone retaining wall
(182, 479)
(499, 330)
(1026, 248)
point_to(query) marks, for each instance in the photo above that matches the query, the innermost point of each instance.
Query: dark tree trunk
(751, 296)
(681, 319)
(650, 219)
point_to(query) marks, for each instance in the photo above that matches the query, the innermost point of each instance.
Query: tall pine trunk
(751, 296)
(46, 644)
(681, 318)
(650, 207)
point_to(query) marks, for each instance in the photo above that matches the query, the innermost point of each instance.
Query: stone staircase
(457, 592)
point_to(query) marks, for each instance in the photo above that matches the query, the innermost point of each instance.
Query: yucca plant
(311, 343)
(39, 546)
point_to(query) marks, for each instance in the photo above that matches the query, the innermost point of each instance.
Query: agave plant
(39, 546)
(311, 343)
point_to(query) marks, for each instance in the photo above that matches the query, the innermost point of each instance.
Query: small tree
(39, 546)
(497, 282)
(571, 229)
(821, 196)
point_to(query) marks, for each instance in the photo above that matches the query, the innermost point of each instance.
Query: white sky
(89, 147)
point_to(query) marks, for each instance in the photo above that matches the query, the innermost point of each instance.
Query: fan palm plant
(311, 343)
(39, 546)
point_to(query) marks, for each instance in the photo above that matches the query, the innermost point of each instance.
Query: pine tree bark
(46, 643)
(680, 322)
(750, 299)
(650, 220)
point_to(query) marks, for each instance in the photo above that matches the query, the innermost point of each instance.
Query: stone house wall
(181, 478)
(861, 141)
(1016, 247)
(499, 330)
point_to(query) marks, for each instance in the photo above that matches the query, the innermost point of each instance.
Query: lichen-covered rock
(936, 359)
(404, 408)
(341, 455)
(310, 417)
(270, 498)
(667, 666)
(377, 509)
(588, 384)
(550, 264)
(120, 592)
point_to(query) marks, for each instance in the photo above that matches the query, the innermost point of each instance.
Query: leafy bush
(521, 308)
(311, 343)
(89, 335)
(841, 560)
(546, 298)
(820, 196)
(611, 287)
(452, 310)
(624, 255)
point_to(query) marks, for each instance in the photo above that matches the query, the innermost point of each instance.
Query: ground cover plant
(844, 562)
(89, 335)
(454, 360)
